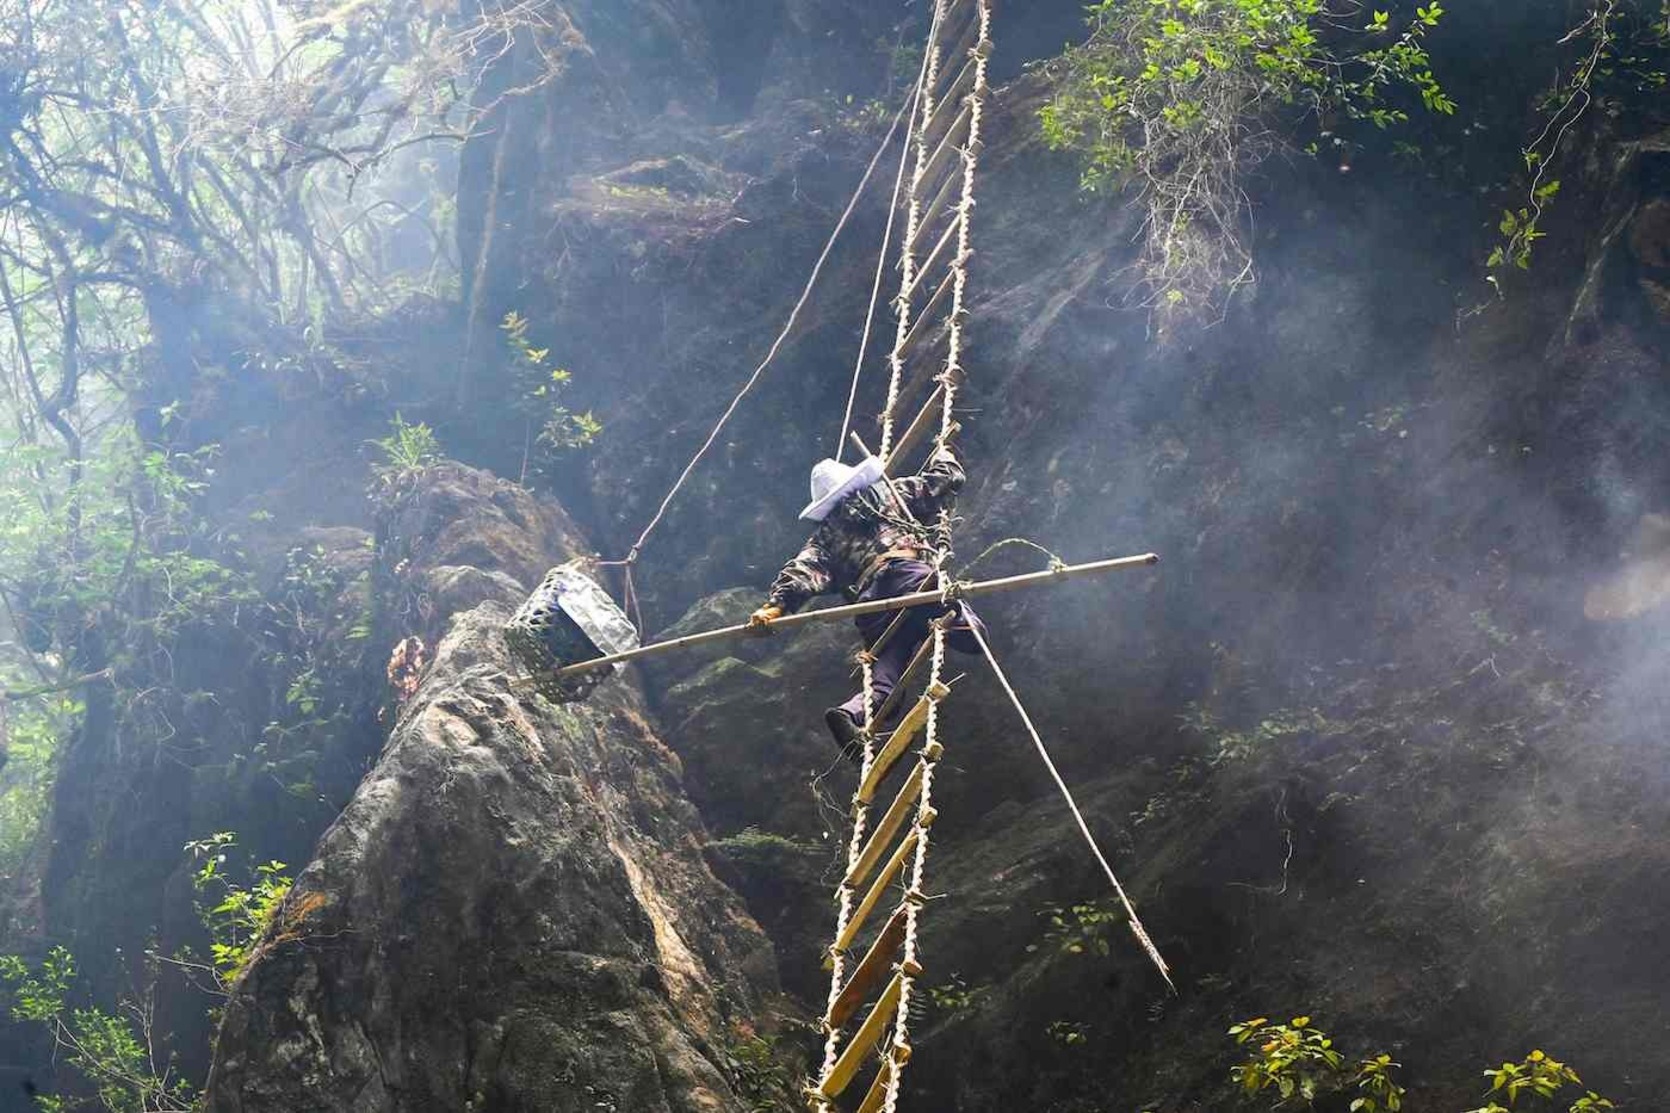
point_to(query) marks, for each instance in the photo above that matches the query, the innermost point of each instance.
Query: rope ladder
(868, 1014)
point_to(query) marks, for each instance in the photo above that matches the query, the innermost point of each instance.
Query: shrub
(1180, 99)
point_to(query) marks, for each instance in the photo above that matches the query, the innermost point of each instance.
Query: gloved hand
(760, 621)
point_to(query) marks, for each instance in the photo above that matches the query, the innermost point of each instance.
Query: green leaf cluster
(409, 448)
(1621, 46)
(1081, 929)
(113, 1052)
(539, 385)
(1068, 1033)
(1180, 99)
(1242, 745)
(33, 731)
(1541, 1077)
(1297, 1063)
(955, 996)
(238, 916)
(764, 1077)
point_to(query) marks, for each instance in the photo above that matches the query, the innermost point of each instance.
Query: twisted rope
(886, 242)
(771, 355)
(896, 1048)
(950, 377)
(1137, 929)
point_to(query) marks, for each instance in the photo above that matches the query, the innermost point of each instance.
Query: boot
(848, 733)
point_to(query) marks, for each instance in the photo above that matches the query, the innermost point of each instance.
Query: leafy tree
(1299, 1064)
(192, 191)
(115, 1052)
(1179, 100)
(1541, 1078)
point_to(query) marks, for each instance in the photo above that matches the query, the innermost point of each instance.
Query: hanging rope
(886, 244)
(771, 355)
(1078, 816)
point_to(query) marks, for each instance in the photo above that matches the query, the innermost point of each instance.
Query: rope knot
(953, 591)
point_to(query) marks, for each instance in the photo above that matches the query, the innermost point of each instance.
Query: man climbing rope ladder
(872, 545)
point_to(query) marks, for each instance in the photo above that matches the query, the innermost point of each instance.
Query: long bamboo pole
(853, 610)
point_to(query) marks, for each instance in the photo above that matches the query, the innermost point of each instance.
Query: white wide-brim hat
(833, 481)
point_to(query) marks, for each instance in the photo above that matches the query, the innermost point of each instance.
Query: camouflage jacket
(866, 524)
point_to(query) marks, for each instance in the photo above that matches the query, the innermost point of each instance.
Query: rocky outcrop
(1364, 515)
(1383, 524)
(513, 913)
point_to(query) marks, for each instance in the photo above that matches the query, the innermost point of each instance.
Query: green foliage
(104, 560)
(315, 633)
(1624, 46)
(1297, 1063)
(955, 996)
(32, 731)
(539, 386)
(84, 539)
(1521, 228)
(1181, 99)
(113, 1052)
(237, 916)
(1068, 1033)
(1081, 929)
(166, 168)
(764, 1078)
(1539, 1077)
(751, 843)
(1241, 745)
(408, 449)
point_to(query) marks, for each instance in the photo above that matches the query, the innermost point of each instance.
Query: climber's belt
(881, 562)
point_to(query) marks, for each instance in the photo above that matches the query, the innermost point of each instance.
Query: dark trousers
(904, 577)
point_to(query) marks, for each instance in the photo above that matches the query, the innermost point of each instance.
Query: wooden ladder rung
(841, 1075)
(889, 826)
(965, 40)
(933, 258)
(930, 214)
(926, 317)
(870, 972)
(926, 418)
(877, 888)
(952, 96)
(948, 144)
(877, 1095)
(899, 740)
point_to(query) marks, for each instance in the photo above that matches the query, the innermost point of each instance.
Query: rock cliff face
(513, 912)
(1360, 703)
(1380, 742)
